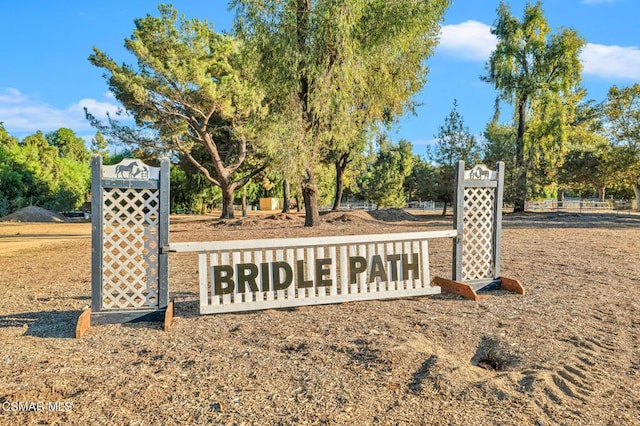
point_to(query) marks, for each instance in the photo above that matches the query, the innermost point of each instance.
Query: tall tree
(334, 68)
(191, 92)
(623, 111)
(69, 145)
(454, 143)
(528, 68)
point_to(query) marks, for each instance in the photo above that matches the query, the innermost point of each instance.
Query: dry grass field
(566, 353)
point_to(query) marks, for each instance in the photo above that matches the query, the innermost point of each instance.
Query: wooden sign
(263, 274)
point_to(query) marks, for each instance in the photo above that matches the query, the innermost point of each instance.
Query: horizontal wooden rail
(307, 241)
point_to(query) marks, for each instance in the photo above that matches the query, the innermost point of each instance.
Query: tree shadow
(45, 324)
(423, 372)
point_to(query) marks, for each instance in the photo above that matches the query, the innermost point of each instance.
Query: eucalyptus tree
(192, 92)
(622, 109)
(534, 70)
(336, 68)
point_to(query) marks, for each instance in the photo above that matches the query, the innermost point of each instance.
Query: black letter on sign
(321, 273)
(246, 273)
(377, 269)
(302, 283)
(357, 265)
(219, 278)
(393, 262)
(275, 275)
(410, 266)
(264, 276)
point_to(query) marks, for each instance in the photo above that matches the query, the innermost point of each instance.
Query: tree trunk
(444, 209)
(602, 192)
(339, 187)
(636, 190)
(227, 202)
(286, 191)
(521, 170)
(244, 202)
(310, 196)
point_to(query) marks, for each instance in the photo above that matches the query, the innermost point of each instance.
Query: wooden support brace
(455, 287)
(168, 316)
(511, 285)
(84, 321)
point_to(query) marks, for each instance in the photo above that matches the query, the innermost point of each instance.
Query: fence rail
(581, 206)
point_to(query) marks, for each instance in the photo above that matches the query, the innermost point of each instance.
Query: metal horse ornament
(480, 172)
(132, 170)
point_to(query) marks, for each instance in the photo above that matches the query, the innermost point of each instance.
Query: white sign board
(263, 274)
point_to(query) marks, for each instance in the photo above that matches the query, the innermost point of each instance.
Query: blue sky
(46, 79)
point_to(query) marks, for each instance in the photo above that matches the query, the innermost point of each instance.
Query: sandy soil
(566, 353)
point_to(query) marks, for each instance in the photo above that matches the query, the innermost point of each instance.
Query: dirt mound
(392, 215)
(283, 216)
(33, 214)
(347, 216)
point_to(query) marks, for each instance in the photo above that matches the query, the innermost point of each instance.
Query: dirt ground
(566, 353)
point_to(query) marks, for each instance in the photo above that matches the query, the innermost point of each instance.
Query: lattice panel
(477, 251)
(130, 253)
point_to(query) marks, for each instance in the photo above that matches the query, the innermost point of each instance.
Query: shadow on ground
(571, 220)
(46, 324)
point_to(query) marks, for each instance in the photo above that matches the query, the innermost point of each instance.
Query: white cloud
(471, 40)
(611, 61)
(21, 113)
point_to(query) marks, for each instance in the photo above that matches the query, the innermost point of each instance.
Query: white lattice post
(478, 222)
(130, 227)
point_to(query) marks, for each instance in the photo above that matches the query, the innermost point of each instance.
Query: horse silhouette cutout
(131, 171)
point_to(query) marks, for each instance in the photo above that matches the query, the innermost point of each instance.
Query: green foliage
(589, 163)
(69, 145)
(500, 145)
(383, 182)
(99, 145)
(623, 111)
(191, 192)
(423, 181)
(454, 143)
(333, 70)
(33, 173)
